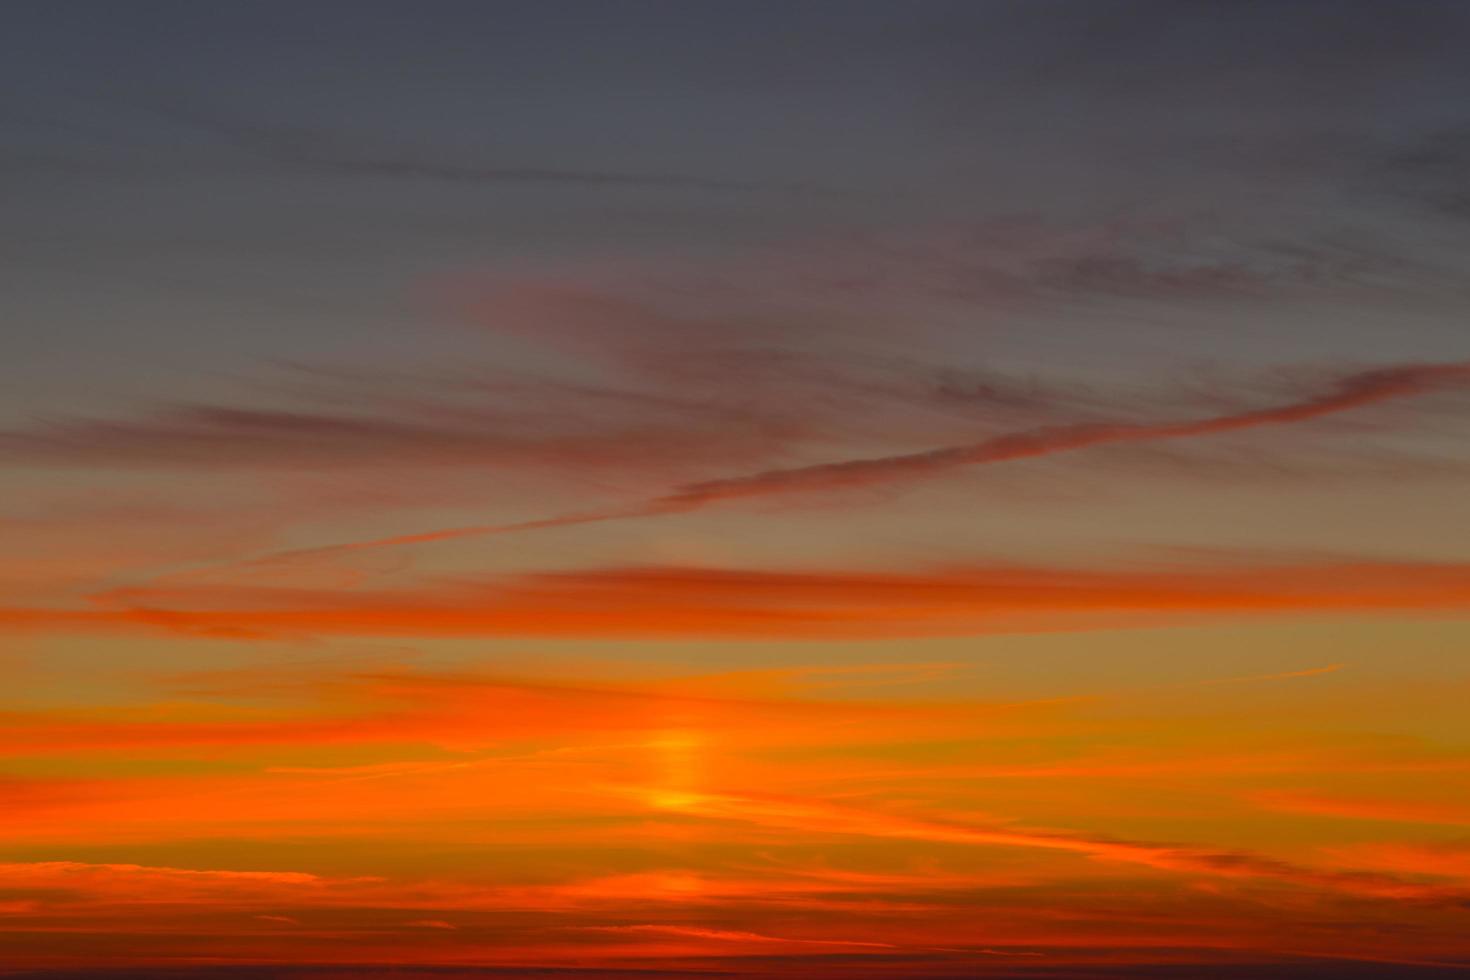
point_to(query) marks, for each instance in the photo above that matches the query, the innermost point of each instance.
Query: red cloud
(694, 602)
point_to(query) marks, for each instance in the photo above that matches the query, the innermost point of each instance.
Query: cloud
(1438, 860)
(1166, 768)
(734, 936)
(1352, 392)
(1362, 808)
(637, 420)
(750, 362)
(66, 883)
(428, 434)
(825, 818)
(1355, 391)
(652, 602)
(457, 712)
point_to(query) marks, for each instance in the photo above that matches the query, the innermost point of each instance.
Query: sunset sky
(818, 489)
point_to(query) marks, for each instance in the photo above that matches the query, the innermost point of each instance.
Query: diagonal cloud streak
(1354, 391)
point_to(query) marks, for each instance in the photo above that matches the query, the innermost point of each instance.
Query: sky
(828, 488)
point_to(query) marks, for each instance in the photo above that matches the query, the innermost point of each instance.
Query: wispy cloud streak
(1353, 392)
(827, 818)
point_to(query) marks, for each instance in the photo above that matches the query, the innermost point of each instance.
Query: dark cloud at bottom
(1236, 969)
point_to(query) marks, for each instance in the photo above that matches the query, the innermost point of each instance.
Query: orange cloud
(736, 936)
(831, 819)
(461, 711)
(699, 602)
(1445, 860)
(70, 882)
(1360, 808)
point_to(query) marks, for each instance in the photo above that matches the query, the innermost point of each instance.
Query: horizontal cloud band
(696, 602)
